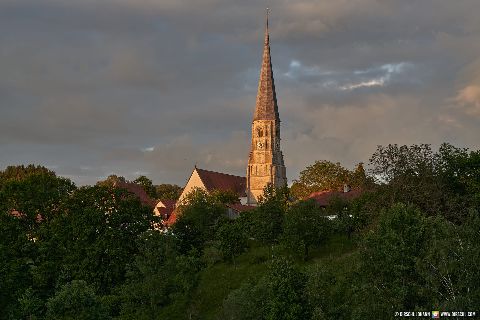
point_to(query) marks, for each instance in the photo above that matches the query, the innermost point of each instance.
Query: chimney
(346, 188)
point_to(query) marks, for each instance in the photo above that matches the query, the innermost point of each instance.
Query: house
(210, 181)
(323, 198)
(164, 208)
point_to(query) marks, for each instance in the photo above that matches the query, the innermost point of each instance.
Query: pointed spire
(267, 40)
(266, 106)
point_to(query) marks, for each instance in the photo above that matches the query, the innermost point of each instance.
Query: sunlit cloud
(386, 71)
(371, 83)
(469, 99)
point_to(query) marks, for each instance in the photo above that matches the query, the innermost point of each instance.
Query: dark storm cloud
(131, 87)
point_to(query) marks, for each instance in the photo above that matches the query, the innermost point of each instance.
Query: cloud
(129, 86)
(388, 71)
(469, 99)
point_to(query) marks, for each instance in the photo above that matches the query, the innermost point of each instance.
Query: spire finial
(268, 11)
(266, 26)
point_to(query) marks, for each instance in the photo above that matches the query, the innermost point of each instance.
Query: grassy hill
(217, 281)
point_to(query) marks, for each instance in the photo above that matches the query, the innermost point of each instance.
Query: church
(265, 160)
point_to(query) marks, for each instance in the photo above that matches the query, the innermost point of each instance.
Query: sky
(90, 88)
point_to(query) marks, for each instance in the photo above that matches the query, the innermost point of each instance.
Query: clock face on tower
(260, 145)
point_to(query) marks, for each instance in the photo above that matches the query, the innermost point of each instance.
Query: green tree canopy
(76, 300)
(325, 175)
(304, 227)
(147, 185)
(168, 191)
(198, 219)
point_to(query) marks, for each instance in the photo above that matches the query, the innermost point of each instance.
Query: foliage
(111, 180)
(304, 227)
(76, 300)
(450, 266)
(93, 253)
(389, 280)
(247, 302)
(147, 185)
(16, 258)
(439, 183)
(198, 219)
(158, 277)
(232, 240)
(285, 287)
(168, 191)
(265, 222)
(325, 175)
(34, 192)
(278, 295)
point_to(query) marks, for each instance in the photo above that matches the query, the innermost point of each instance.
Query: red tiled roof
(138, 191)
(166, 211)
(171, 220)
(323, 197)
(222, 181)
(168, 203)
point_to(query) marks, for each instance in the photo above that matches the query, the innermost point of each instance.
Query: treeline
(410, 242)
(164, 191)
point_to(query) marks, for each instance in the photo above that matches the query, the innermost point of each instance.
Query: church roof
(221, 181)
(266, 106)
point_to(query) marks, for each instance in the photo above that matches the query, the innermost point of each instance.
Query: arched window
(259, 132)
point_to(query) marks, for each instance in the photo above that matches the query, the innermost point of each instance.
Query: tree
(286, 285)
(147, 185)
(388, 280)
(266, 221)
(248, 301)
(34, 192)
(150, 284)
(95, 237)
(450, 265)
(232, 239)
(168, 191)
(304, 227)
(111, 180)
(439, 183)
(359, 178)
(197, 220)
(76, 300)
(17, 254)
(277, 295)
(30, 198)
(322, 175)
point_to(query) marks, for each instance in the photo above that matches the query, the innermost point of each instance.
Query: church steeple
(266, 106)
(265, 161)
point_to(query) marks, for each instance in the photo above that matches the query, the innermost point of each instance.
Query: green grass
(217, 281)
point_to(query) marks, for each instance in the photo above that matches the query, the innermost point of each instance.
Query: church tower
(265, 161)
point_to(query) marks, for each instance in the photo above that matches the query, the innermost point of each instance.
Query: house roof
(137, 190)
(323, 197)
(171, 219)
(167, 203)
(223, 182)
(165, 207)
